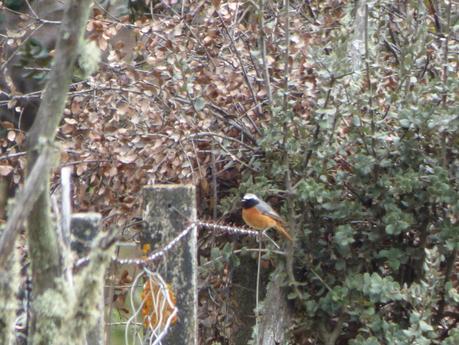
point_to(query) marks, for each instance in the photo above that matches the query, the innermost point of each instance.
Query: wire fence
(152, 301)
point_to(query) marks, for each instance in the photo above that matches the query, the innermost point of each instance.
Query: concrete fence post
(84, 228)
(167, 211)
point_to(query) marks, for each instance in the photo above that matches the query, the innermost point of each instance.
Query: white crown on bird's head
(250, 196)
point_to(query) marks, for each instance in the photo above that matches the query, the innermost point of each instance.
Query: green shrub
(374, 172)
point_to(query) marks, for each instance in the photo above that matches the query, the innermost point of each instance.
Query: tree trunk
(277, 317)
(53, 296)
(9, 286)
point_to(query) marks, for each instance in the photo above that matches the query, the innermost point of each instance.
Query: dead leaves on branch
(163, 82)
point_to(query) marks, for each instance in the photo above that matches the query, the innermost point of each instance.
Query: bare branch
(263, 51)
(241, 62)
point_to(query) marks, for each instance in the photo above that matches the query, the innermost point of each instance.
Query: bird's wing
(264, 208)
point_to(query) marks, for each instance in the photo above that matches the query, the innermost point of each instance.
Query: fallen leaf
(5, 170)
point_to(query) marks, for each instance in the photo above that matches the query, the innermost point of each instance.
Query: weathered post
(168, 210)
(84, 228)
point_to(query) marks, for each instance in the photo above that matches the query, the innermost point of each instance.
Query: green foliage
(35, 60)
(88, 59)
(15, 5)
(220, 257)
(452, 339)
(374, 175)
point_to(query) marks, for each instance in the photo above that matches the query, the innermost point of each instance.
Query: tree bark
(49, 286)
(277, 315)
(9, 286)
(25, 200)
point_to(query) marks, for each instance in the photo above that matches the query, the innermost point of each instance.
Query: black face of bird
(249, 200)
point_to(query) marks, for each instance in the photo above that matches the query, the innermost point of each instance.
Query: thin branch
(222, 114)
(13, 54)
(450, 262)
(13, 155)
(241, 63)
(257, 293)
(68, 164)
(212, 134)
(287, 53)
(286, 159)
(267, 81)
(447, 32)
(317, 130)
(240, 251)
(311, 11)
(333, 336)
(214, 198)
(370, 88)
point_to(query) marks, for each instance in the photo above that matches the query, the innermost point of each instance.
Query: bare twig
(331, 337)
(450, 262)
(230, 153)
(287, 53)
(13, 155)
(241, 63)
(261, 24)
(13, 54)
(311, 11)
(87, 161)
(38, 18)
(245, 250)
(213, 168)
(315, 137)
(447, 30)
(257, 293)
(212, 134)
(224, 116)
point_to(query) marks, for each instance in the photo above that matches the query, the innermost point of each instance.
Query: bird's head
(249, 200)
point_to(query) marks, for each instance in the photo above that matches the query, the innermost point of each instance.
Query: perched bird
(259, 215)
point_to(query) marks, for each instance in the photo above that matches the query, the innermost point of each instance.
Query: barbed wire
(157, 308)
(157, 254)
(228, 229)
(163, 251)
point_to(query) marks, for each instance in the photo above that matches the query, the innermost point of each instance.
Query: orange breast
(252, 217)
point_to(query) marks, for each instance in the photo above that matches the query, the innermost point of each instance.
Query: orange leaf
(156, 309)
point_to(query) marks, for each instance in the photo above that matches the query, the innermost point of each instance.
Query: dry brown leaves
(168, 94)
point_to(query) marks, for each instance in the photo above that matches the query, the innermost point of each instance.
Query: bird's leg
(257, 297)
(265, 233)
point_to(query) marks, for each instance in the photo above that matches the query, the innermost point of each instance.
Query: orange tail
(283, 231)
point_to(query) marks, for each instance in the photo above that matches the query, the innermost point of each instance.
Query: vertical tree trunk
(9, 286)
(48, 283)
(276, 317)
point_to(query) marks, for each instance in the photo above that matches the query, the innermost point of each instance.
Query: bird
(259, 215)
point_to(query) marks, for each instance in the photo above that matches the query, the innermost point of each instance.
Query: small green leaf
(199, 104)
